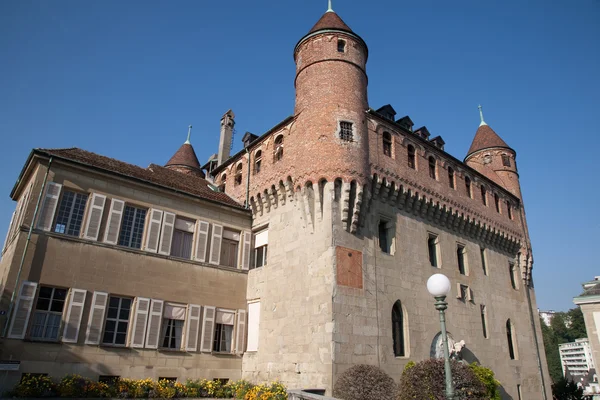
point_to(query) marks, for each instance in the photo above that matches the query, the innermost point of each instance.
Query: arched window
(411, 157)
(387, 144)
(497, 202)
(451, 177)
(432, 167)
(257, 161)
(341, 45)
(398, 329)
(278, 151)
(510, 337)
(468, 186)
(238, 174)
(483, 195)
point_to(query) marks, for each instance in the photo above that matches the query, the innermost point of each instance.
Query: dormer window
(411, 156)
(341, 45)
(238, 174)
(387, 144)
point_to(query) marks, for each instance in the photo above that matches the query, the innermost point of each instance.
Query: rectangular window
(70, 213)
(519, 392)
(460, 256)
(509, 210)
(512, 271)
(48, 313)
(497, 202)
(505, 160)
(463, 292)
(261, 242)
(483, 311)
(483, 195)
(132, 227)
(451, 177)
(223, 335)
(183, 236)
(386, 235)
(468, 187)
(346, 131)
(253, 325)
(432, 246)
(229, 248)
(117, 321)
(172, 333)
(483, 261)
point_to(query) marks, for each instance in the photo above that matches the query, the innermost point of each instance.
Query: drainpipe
(37, 207)
(248, 181)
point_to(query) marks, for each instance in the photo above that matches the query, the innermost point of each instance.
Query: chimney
(227, 124)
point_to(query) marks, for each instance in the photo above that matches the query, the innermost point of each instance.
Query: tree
(567, 390)
(559, 326)
(576, 323)
(552, 355)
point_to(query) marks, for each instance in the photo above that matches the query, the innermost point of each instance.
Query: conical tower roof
(184, 157)
(330, 20)
(485, 138)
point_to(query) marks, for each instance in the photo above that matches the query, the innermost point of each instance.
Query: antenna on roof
(189, 134)
(481, 116)
(329, 9)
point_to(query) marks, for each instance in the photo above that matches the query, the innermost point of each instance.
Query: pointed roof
(184, 157)
(486, 138)
(330, 20)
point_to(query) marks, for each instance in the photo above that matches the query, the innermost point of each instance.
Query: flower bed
(77, 386)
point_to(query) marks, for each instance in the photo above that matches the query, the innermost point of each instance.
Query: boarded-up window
(349, 267)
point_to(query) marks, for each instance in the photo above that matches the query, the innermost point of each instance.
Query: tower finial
(481, 115)
(329, 9)
(189, 134)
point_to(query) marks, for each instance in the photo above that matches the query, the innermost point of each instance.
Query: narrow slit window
(483, 311)
(483, 261)
(512, 271)
(238, 175)
(387, 144)
(510, 337)
(451, 177)
(411, 157)
(497, 202)
(341, 45)
(460, 256)
(257, 161)
(509, 209)
(483, 195)
(398, 330)
(468, 186)
(432, 243)
(432, 165)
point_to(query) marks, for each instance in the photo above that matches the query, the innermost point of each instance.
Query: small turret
(184, 160)
(491, 156)
(227, 124)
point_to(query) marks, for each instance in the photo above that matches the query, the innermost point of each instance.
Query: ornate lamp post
(438, 286)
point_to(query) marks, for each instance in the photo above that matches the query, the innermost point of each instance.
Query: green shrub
(35, 386)
(426, 381)
(486, 376)
(365, 382)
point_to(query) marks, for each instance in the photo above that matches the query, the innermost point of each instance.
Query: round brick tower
(331, 100)
(491, 156)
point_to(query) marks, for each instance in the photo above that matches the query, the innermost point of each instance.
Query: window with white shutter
(261, 243)
(74, 314)
(192, 332)
(253, 325)
(132, 227)
(94, 217)
(113, 222)
(49, 206)
(48, 314)
(215, 245)
(201, 240)
(140, 320)
(154, 320)
(240, 332)
(208, 326)
(22, 310)
(166, 235)
(246, 250)
(96, 319)
(183, 236)
(153, 234)
(117, 321)
(70, 213)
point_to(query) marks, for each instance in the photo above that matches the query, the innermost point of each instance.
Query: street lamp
(438, 286)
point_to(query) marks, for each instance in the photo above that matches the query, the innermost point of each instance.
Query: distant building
(589, 301)
(546, 316)
(576, 357)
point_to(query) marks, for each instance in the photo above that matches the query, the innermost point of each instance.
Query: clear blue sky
(125, 78)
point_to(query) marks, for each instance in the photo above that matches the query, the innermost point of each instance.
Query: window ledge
(168, 350)
(53, 341)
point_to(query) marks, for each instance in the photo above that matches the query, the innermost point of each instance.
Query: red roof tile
(154, 174)
(185, 156)
(330, 20)
(485, 138)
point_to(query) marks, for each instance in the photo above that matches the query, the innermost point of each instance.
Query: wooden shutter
(215, 245)
(153, 230)
(94, 217)
(208, 329)
(240, 332)
(246, 237)
(153, 334)
(140, 319)
(166, 235)
(201, 240)
(22, 311)
(74, 314)
(49, 206)
(192, 328)
(96, 320)
(113, 223)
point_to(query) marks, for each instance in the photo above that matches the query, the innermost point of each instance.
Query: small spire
(189, 134)
(329, 9)
(481, 116)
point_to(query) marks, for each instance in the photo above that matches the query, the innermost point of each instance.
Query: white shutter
(94, 217)
(208, 329)
(192, 327)
(49, 206)
(153, 334)
(96, 320)
(74, 314)
(240, 332)
(113, 222)
(140, 319)
(10, 229)
(22, 311)
(201, 240)
(246, 249)
(153, 230)
(471, 298)
(166, 236)
(215, 245)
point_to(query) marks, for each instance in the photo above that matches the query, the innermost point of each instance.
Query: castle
(303, 254)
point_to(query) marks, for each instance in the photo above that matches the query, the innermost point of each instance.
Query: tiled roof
(485, 138)
(185, 156)
(154, 174)
(330, 20)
